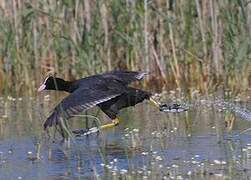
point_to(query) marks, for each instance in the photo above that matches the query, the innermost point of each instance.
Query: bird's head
(49, 83)
(54, 83)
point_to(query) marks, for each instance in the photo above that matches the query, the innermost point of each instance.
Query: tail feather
(140, 75)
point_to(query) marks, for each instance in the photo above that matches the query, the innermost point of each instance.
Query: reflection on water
(147, 143)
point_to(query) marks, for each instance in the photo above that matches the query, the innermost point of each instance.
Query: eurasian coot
(109, 91)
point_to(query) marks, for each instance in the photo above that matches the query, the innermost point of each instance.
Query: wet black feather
(108, 90)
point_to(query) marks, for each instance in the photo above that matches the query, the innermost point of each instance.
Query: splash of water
(220, 104)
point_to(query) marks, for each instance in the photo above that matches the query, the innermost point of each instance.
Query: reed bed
(202, 45)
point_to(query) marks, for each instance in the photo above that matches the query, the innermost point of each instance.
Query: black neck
(62, 85)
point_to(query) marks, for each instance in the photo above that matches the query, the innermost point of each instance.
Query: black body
(129, 98)
(109, 91)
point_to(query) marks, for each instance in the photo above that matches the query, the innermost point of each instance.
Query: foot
(173, 107)
(84, 132)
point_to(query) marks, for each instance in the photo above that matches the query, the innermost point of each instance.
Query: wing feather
(79, 100)
(125, 76)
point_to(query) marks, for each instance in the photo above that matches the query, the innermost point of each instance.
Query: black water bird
(109, 91)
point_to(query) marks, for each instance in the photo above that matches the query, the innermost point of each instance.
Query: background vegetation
(185, 44)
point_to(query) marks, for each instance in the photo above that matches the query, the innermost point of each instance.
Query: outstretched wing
(78, 101)
(125, 76)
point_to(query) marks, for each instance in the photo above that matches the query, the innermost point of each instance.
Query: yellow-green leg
(153, 102)
(114, 122)
(80, 132)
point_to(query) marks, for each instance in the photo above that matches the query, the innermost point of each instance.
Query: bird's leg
(153, 102)
(86, 121)
(81, 132)
(114, 122)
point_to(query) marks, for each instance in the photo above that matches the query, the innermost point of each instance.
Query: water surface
(147, 144)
